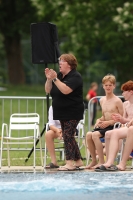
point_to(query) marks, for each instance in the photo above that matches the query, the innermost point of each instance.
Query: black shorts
(103, 131)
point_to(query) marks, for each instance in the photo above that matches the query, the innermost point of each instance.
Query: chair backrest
(24, 121)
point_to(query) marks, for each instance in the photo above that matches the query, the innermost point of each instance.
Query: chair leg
(132, 164)
(1, 152)
(45, 154)
(63, 155)
(34, 153)
(41, 152)
(8, 153)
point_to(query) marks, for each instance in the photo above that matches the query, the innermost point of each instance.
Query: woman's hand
(50, 74)
(47, 73)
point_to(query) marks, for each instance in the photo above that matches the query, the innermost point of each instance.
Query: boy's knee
(130, 131)
(130, 128)
(89, 135)
(108, 134)
(49, 135)
(95, 135)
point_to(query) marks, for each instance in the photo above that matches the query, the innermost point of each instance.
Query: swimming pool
(60, 185)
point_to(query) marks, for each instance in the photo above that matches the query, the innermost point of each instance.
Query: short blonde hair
(70, 59)
(109, 77)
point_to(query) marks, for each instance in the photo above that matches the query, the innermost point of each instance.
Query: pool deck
(19, 169)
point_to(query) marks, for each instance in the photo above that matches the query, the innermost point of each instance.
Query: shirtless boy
(112, 137)
(110, 104)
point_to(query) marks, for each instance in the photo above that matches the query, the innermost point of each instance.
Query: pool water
(78, 185)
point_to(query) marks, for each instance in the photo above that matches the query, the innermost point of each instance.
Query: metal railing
(17, 104)
(24, 104)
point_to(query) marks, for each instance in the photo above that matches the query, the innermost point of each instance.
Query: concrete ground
(19, 169)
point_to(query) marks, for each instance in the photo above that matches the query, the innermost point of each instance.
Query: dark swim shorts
(103, 131)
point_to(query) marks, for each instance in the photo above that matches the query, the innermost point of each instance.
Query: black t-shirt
(70, 106)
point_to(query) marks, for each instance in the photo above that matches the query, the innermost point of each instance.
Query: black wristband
(55, 79)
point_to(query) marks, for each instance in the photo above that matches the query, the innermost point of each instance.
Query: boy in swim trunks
(114, 136)
(110, 104)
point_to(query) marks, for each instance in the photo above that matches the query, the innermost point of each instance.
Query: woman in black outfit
(66, 89)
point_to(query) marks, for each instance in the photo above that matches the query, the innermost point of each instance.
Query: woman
(66, 89)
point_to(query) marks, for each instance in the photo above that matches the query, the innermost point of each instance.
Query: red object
(92, 94)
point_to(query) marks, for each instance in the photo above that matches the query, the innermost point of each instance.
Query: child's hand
(103, 124)
(59, 132)
(117, 117)
(130, 123)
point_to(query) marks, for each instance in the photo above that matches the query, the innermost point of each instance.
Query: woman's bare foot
(78, 163)
(92, 164)
(66, 167)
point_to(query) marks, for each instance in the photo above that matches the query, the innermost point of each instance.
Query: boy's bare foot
(98, 165)
(92, 164)
(121, 167)
(106, 165)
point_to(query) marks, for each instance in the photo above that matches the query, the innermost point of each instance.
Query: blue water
(77, 186)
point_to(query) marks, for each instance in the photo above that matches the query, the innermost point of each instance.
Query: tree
(15, 19)
(87, 28)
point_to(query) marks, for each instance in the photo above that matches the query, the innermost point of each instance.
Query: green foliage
(87, 29)
(95, 31)
(16, 16)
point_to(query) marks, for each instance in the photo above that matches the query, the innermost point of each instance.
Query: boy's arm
(130, 123)
(98, 121)
(102, 117)
(120, 106)
(120, 113)
(119, 118)
(124, 119)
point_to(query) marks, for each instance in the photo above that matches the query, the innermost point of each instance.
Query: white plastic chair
(81, 132)
(14, 134)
